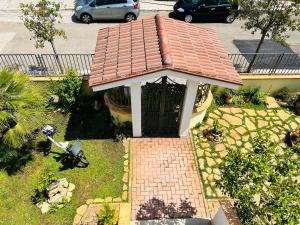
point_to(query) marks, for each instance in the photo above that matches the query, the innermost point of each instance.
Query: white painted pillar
(188, 106)
(136, 108)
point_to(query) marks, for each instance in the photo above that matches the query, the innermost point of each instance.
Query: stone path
(240, 126)
(164, 168)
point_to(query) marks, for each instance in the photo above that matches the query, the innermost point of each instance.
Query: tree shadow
(66, 161)
(14, 160)
(156, 209)
(87, 123)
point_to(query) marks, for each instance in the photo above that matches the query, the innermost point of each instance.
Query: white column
(136, 109)
(188, 106)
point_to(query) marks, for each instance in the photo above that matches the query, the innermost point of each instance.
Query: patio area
(240, 125)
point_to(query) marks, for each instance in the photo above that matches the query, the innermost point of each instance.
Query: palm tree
(21, 104)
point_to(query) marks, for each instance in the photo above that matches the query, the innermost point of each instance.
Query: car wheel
(130, 17)
(188, 18)
(86, 18)
(230, 18)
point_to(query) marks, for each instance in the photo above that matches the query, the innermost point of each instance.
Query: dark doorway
(161, 106)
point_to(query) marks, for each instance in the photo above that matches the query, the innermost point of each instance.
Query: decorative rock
(125, 195)
(245, 138)
(81, 210)
(230, 140)
(98, 200)
(69, 194)
(200, 153)
(262, 123)
(204, 145)
(45, 207)
(117, 199)
(125, 177)
(126, 163)
(125, 156)
(89, 201)
(71, 187)
(262, 113)
(126, 169)
(125, 187)
(77, 219)
(204, 175)
(225, 110)
(63, 182)
(241, 130)
(271, 103)
(108, 199)
(210, 177)
(201, 163)
(67, 198)
(236, 110)
(209, 170)
(224, 123)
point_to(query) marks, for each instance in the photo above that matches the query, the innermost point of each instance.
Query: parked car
(89, 10)
(190, 10)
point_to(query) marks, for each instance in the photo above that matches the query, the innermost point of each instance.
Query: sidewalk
(151, 5)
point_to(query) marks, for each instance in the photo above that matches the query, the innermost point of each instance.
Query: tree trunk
(257, 50)
(56, 57)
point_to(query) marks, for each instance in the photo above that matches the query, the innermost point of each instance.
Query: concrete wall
(271, 83)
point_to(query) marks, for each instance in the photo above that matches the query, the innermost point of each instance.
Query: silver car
(89, 10)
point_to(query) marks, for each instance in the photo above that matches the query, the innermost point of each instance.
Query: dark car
(190, 10)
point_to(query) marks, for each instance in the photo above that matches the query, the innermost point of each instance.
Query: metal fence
(267, 63)
(49, 64)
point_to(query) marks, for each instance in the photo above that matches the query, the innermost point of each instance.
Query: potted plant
(228, 96)
(294, 137)
(216, 133)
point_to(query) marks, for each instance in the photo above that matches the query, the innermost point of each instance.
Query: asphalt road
(81, 38)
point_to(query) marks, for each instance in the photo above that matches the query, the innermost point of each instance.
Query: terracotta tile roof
(158, 43)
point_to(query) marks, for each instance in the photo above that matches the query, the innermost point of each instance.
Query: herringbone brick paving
(165, 168)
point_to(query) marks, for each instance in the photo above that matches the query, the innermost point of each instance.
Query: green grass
(102, 178)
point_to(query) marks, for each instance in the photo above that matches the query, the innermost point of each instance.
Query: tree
(20, 104)
(262, 182)
(272, 18)
(40, 19)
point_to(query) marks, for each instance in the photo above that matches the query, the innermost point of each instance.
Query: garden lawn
(101, 179)
(240, 125)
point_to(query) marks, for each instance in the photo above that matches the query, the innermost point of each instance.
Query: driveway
(164, 172)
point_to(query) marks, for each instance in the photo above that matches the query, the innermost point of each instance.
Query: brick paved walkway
(164, 168)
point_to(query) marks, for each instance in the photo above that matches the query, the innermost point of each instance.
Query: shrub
(68, 89)
(40, 192)
(107, 216)
(282, 94)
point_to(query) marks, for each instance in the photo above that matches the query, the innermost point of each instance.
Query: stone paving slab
(164, 168)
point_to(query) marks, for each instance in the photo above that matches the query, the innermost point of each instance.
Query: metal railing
(267, 63)
(49, 64)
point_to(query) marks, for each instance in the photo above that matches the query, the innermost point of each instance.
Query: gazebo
(163, 62)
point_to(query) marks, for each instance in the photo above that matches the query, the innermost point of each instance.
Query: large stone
(224, 123)
(89, 201)
(124, 195)
(210, 162)
(230, 140)
(125, 177)
(63, 182)
(126, 156)
(262, 113)
(225, 110)
(262, 123)
(69, 194)
(241, 130)
(250, 112)
(126, 169)
(271, 103)
(220, 147)
(125, 187)
(81, 210)
(77, 219)
(71, 187)
(283, 115)
(201, 163)
(45, 207)
(126, 163)
(108, 199)
(98, 200)
(118, 199)
(233, 120)
(236, 110)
